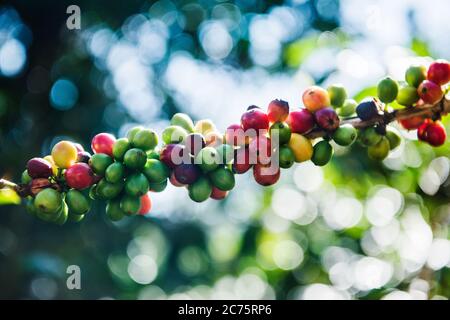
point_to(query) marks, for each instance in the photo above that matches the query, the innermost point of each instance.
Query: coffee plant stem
(434, 111)
(427, 111)
(21, 190)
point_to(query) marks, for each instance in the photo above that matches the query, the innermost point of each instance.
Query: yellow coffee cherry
(204, 127)
(52, 162)
(64, 154)
(301, 147)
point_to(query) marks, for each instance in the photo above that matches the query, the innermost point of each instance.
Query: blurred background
(355, 229)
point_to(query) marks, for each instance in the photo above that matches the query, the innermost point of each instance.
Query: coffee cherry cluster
(56, 182)
(421, 87)
(126, 172)
(198, 158)
(122, 172)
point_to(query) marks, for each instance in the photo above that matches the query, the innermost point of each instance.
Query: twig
(426, 111)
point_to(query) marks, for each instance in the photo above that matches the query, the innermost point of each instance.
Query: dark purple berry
(39, 168)
(367, 110)
(83, 156)
(187, 173)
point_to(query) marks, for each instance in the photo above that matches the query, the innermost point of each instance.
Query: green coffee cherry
(222, 178)
(407, 95)
(63, 214)
(200, 190)
(132, 132)
(208, 158)
(115, 172)
(226, 153)
(106, 190)
(113, 210)
(174, 134)
(158, 187)
(369, 137)
(380, 150)
(77, 202)
(48, 201)
(121, 146)
(29, 206)
(337, 94)
(156, 171)
(99, 162)
(387, 90)
(345, 135)
(415, 75)
(48, 217)
(130, 205)
(184, 121)
(135, 158)
(25, 178)
(284, 132)
(348, 108)
(323, 151)
(136, 185)
(93, 192)
(394, 138)
(75, 217)
(286, 157)
(145, 139)
(153, 154)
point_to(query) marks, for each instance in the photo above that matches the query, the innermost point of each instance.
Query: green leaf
(296, 52)
(365, 93)
(420, 47)
(8, 196)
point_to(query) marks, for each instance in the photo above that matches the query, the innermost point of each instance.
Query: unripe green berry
(130, 205)
(323, 151)
(387, 90)
(121, 146)
(337, 94)
(415, 75)
(345, 135)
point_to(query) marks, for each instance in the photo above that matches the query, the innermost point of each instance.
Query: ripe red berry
(327, 119)
(146, 204)
(103, 143)
(412, 123)
(39, 168)
(218, 194)
(79, 176)
(235, 135)
(301, 121)
(439, 72)
(278, 111)
(261, 149)
(266, 175)
(172, 155)
(241, 162)
(435, 134)
(255, 119)
(430, 92)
